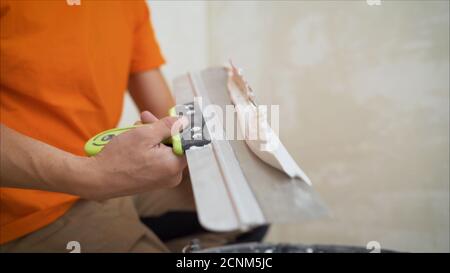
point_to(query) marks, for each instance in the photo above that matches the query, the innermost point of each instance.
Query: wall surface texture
(364, 98)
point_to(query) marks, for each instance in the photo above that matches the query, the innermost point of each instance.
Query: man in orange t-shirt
(64, 71)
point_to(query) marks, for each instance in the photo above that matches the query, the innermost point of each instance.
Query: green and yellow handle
(94, 145)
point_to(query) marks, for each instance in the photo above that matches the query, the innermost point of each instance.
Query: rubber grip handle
(95, 145)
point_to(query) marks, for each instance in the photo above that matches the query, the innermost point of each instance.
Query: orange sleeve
(146, 53)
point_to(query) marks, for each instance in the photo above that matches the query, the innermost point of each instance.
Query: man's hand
(136, 161)
(132, 162)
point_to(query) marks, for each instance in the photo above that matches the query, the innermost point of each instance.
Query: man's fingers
(176, 165)
(148, 117)
(166, 127)
(173, 164)
(179, 125)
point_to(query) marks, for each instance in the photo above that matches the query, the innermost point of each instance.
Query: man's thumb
(167, 127)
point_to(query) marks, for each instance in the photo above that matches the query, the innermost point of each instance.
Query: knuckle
(173, 169)
(137, 133)
(167, 122)
(176, 180)
(143, 131)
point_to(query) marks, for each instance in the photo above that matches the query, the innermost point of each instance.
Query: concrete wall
(364, 96)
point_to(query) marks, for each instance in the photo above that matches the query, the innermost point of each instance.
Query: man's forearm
(31, 164)
(150, 92)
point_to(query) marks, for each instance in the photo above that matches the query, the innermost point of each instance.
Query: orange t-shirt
(64, 71)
